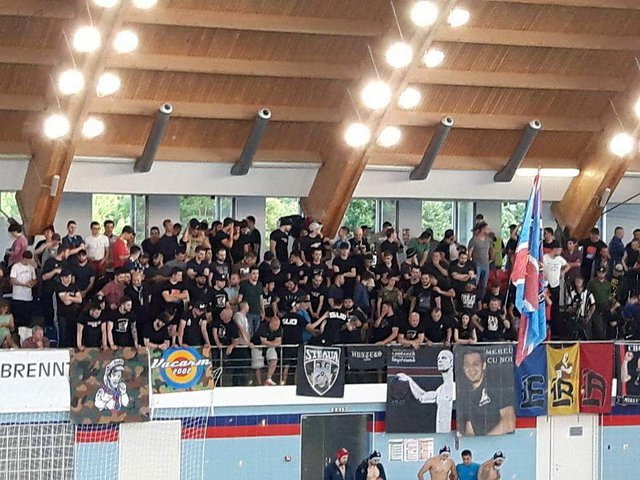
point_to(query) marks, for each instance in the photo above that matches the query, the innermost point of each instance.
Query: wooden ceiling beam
(612, 4)
(233, 66)
(482, 121)
(462, 162)
(527, 38)
(38, 205)
(28, 56)
(256, 22)
(36, 8)
(540, 81)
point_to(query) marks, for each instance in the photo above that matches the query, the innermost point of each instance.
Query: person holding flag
(528, 279)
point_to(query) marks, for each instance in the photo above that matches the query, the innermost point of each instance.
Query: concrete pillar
(410, 216)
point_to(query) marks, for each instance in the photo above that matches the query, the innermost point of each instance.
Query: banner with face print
(420, 390)
(596, 375)
(563, 373)
(628, 373)
(485, 396)
(109, 386)
(531, 384)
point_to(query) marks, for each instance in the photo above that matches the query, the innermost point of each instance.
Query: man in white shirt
(555, 266)
(97, 246)
(23, 278)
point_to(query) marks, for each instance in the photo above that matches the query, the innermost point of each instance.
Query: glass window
(276, 207)
(389, 213)
(226, 207)
(9, 206)
(466, 219)
(438, 216)
(512, 212)
(112, 207)
(140, 216)
(197, 206)
(361, 211)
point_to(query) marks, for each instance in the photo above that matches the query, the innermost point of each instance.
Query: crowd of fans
(205, 285)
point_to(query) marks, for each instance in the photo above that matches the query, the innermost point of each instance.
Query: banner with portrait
(420, 390)
(320, 372)
(627, 360)
(596, 375)
(531, 384)
(109, 386)
(485, 395)
(563, 374)
(366, 357)
(181, 369)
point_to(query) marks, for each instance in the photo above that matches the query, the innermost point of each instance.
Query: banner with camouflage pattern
(181, 369)
(109, 386)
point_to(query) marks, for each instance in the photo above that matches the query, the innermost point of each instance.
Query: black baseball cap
(66, 272)
(200, 305)
(219, 277)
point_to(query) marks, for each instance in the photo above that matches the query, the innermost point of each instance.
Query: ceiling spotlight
(126, 41)
(108, 84)
(71, 82)
(458, 17)
(56, 126)
(145, 4)
(433, 58)
(92, 127)
(376, 95)
(409, 98)
(424, 13)
(86, 39)
(622, 144)
(357, 135)
(389, 137)
(106, 3)
(399, 55)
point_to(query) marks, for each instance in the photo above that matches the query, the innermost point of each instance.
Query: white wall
(252, 206)
(161, 207)
(410, 216)
(625, 216)
(74, 206)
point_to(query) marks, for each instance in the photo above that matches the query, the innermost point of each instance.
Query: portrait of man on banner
(485, 395)
(628, 373)
(109, 386)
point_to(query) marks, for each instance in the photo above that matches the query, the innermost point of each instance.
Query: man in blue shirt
(467, 470)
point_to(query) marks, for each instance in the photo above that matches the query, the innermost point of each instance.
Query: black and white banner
(320, 372)
(366, 357)
(420, 390)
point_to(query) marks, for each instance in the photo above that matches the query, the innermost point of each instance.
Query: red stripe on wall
(88, 436)
(253, 431)
(526, 422)
(620, 420)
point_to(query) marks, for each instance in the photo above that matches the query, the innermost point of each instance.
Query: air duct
(145, 162)
(437, 142)
(528, 136)
(243, 164)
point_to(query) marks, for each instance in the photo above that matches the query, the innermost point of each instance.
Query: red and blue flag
(528, 279)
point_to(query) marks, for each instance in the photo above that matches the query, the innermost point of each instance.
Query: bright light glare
(56, 126)
(376, 95)
(106, 3)
(92, 127)
(548, 172)
(108, 84)
(622, 144)
(458, 17)
(637, 108)
(424, 13)
(71, 82)
(126, 41)
(399, 55)
(357, 135)
(433, 58)
(389, 137)
(410, 98)
(86, 39)
(145, 4)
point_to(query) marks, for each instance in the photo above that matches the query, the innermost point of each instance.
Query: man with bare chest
(490, 470)
(441, 467)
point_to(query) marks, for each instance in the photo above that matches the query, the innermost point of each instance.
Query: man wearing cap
(313, 241)
(490, 470)
(441, 467)
(340, 469)
(279, 240)
(371, 468)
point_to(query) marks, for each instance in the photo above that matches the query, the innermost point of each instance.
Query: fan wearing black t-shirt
(437, 329)
(465, 332)
(317, 294)
(173, 291)
(491, 322)
(293, 328)
(192, 330)
(121, 328)
(91, 329)
(269, 335)
(356, 320)
(424, 298)
(346, 265)
(279, 240)
(68, 299)
(226, 333)
(385, 328)
(156, 333)
(330, 325)
(411, 332)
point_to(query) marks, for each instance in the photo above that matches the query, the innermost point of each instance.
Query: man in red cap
(340, 470)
